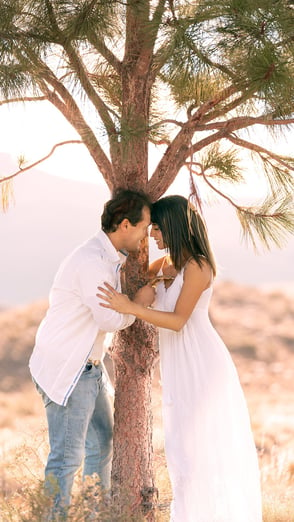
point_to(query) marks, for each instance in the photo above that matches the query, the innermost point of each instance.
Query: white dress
(210, 451)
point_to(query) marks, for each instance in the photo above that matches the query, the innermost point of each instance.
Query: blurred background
(50, 214)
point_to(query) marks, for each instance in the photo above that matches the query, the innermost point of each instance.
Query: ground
(257, 327)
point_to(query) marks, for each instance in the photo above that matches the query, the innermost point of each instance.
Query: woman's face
(157, 236)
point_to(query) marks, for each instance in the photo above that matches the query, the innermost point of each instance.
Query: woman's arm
(145, 295)
(196, 280)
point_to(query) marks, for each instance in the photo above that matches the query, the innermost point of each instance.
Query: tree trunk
(133, 350)
(132, 471)
(134, 354)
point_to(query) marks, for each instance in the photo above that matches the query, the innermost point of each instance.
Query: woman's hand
(115, 300)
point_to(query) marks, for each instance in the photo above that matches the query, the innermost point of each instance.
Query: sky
(32, 129)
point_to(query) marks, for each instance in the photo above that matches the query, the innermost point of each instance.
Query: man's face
(136, 233)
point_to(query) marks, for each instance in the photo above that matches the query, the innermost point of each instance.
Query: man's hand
(145, 296)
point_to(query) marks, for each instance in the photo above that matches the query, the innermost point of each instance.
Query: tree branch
(72, 113)
(218, 112)
(260, 150)
(158, 12)
(176, 155)
(215, 65)
(205, 107)
(180, 149)
(100, 46)
(163, 122)
(163, 51)
(66, 104)
(246, 210)
(98, 103)
(229, 126)
(157, 18)
(25, 99)
(32, 165)
(246, 121)
(82, 74)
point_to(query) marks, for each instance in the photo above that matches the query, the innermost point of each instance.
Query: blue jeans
(81, 429)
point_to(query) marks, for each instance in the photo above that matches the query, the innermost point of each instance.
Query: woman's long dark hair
(183, 231)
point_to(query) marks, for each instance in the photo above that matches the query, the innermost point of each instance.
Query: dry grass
(23, 500)
(261, 340)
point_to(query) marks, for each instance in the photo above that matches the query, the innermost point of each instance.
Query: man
(66, 360)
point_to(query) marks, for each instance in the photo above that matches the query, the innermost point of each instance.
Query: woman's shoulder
(201, 270)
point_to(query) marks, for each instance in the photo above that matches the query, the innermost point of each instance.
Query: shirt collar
(114, 255)
(123, 254)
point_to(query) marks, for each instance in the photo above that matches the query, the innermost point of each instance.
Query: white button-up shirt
(75, 319)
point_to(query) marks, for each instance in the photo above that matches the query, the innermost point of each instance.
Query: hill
(48, 217)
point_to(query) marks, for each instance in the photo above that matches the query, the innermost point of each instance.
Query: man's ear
(124, 224)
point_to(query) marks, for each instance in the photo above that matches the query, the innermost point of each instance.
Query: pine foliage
(269, 222)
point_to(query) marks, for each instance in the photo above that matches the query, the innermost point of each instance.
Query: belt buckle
(95, 362)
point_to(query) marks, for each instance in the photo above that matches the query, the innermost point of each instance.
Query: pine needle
(7, 194)
(270, 223)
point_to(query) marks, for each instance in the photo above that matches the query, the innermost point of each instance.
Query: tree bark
(134, 353)
(132, 471)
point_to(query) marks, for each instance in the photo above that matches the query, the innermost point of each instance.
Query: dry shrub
(23, 498)
(163, 484)
(278, 486)
(277, 509)
(30, 503)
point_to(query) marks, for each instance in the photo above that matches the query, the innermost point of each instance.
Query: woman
(210, 451)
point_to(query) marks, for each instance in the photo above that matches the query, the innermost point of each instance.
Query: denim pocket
(44, 396)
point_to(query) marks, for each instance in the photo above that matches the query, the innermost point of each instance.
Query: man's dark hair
(124, 204)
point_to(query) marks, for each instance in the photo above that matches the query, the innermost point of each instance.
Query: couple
(210, 451)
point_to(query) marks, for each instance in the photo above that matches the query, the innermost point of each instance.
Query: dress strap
(160, 271)
(162, 264)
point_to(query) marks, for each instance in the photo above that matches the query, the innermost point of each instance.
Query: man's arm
(92, 275)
